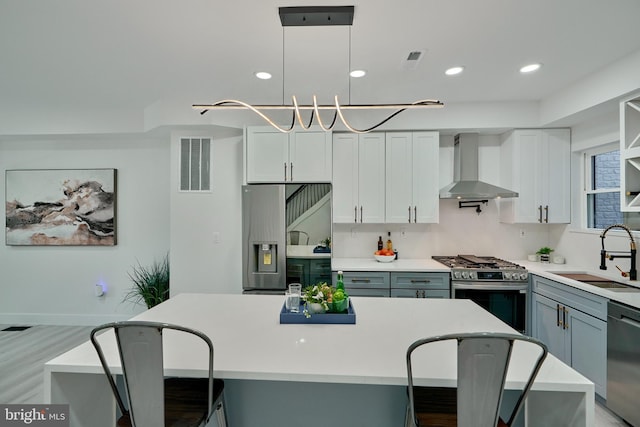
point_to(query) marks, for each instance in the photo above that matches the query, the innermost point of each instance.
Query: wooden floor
(24, 353)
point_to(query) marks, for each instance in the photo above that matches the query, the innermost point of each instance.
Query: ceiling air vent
(412, 59)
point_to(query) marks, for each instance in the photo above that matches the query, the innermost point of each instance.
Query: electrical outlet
(403, 232)
(522, 233)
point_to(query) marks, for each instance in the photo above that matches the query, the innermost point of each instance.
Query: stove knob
(465, 275)
(507, 275)
(473, 275)
(523, 276)
(456, 274)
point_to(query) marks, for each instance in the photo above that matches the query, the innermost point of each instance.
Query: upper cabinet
(412, 193)
(537, 164)
(630, 154)
(358, 178)
(299, 156)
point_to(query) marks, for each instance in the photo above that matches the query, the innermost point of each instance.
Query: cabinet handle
(417, 295)
(424, 293)
(565, 312)
(420, 280)
(285, 171)
(540, 214)
(355, 280)
(558, 323)
(355, 214)
(546, 214)
(360, 213)
(291, 172)
(415, 214)
(409, 214)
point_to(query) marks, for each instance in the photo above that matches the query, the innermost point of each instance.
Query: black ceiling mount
(313, 16)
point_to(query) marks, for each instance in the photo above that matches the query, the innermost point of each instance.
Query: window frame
(587, 181)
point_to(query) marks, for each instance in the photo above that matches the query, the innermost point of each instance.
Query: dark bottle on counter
(340, 282)
(380, 243)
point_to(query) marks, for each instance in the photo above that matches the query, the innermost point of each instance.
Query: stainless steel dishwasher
(623, 361)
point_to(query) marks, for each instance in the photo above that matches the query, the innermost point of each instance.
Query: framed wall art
(61, 207)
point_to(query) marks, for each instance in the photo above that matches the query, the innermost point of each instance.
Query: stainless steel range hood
(466, 184)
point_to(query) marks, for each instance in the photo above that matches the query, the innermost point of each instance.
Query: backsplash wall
(459, 231)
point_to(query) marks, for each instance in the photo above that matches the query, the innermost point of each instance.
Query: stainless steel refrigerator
(266, 210)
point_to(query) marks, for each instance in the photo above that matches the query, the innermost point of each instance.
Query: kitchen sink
(600, 282)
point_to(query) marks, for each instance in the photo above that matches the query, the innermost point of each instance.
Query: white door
(345, 178)
(371, 177)
(399, 177)
(426, 175)
(558, 172)
(310, 156)
(267, 155)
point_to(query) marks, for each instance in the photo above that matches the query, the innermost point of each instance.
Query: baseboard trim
(60, 319)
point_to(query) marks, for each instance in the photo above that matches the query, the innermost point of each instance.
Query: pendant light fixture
(317, 16)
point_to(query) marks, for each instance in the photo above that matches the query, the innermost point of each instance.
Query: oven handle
(491, 286)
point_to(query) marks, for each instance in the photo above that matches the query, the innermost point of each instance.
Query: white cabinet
(300, 156)
(572, 323)
(412, 177)
(537, 164)
(358, 178)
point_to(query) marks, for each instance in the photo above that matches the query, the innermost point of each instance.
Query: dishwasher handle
(619, 312)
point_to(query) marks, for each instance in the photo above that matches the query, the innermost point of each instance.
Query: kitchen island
(315, 375)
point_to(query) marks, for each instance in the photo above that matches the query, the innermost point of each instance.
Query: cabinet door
(371, 178)
(365, 292)
(558, 172)
(587, 346)
(345, 178)
(527, 177)
(320, 271)
(545, 318)
(310, 156)
(426, 175)
(399, 177)
(267, 155)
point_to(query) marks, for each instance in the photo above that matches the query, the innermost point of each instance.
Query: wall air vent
(195, 164)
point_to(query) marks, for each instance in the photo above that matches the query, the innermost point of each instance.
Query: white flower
(319, 296)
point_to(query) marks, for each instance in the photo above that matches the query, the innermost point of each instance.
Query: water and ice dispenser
(267, 257)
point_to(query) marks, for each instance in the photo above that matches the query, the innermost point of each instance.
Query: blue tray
(348, 318)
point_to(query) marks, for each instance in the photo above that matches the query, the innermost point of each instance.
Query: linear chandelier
(315, 16)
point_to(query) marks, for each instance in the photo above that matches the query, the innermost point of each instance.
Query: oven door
(506, 301)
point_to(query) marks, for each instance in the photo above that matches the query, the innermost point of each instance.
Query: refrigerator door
(263, 238)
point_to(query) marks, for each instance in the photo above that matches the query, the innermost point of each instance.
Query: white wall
(198, 263)
(55, 285)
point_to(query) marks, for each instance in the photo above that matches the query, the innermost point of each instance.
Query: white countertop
(370, 264)
(250, 343)
(546, 270)
(305, 251)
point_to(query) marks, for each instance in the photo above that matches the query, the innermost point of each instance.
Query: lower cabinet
(577, 338)
(402, 285)
(420, 285)
(308, 271)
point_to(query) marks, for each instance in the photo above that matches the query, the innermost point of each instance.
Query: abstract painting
(57, 207)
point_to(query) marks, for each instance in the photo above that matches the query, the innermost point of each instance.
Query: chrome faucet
(633, 273)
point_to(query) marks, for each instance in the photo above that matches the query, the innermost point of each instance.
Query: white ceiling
(123, 54)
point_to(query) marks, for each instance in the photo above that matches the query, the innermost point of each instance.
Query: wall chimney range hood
(466, 184)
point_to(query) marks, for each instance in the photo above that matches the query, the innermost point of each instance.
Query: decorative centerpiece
(545, 254)
(322, 298)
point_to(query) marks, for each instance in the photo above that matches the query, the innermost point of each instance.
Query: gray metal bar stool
(153, 399)
(482, 360)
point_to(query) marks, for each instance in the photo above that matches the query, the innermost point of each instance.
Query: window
(602, 188)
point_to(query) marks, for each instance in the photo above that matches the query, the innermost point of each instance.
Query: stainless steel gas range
(497, 285)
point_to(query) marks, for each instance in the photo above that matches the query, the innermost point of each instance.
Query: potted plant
(544, 253)
(150, 284)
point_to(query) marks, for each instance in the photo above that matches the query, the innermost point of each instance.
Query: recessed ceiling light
(263, 75)
(454, 70)
(530, 68)
(358, 73)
